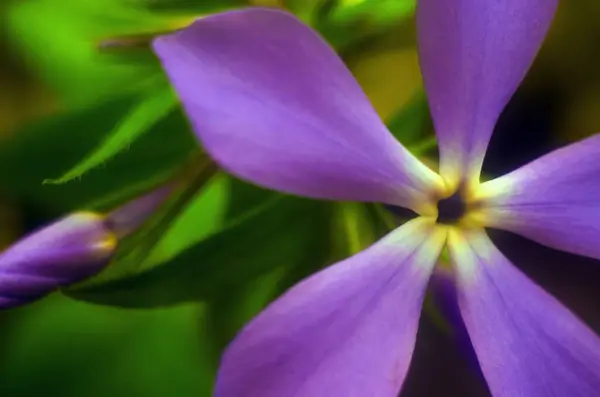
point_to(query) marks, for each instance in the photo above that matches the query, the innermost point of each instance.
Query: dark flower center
(451, 209)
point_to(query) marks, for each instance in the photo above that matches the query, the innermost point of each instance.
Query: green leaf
(203, 216)
(379, 12)
(52, 146)
(307, 10)
(283, 231)
(61, 347)
(348, 23)
(195, 6)
(227, 313)
(138, 121)
(357, 226)
(244, 196)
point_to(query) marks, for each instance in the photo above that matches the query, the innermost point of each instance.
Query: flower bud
(64, 252)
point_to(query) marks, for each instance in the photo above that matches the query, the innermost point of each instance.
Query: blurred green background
(88, 121)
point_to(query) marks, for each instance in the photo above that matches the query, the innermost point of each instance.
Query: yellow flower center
(458, 204)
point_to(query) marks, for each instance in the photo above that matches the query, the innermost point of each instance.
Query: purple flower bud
(130, 216)
(70, 249)
(64, 252)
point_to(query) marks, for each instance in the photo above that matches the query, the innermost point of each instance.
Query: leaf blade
(228, 259)
(132, 126)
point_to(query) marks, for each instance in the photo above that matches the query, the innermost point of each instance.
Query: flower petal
(554, 200)
(67, 251)
(274, 104)
(527, 343)
(346, 331)
(473, 55)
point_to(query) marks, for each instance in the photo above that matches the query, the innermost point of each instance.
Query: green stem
(423, 146)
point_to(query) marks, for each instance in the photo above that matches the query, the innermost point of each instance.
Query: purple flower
(273, 104)
(69, 250)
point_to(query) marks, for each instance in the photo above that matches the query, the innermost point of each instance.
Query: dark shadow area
(524, 130)
(441, 367)
(572, 279)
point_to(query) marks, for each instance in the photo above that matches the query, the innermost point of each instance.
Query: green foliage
(50, 148)
(194, 6)
(202, 216)
(309, 10)
(378, 12)
(61, 347)
(140, 119)
(346, 23)
(62, 49)
(283, 231)
(227, 313)
(360, 225)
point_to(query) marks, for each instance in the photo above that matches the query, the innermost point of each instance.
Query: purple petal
(347, 331)
(67, 251)
(554, 200)
(132, 215)
(274, 104)
(527, 343)
(473, 55)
